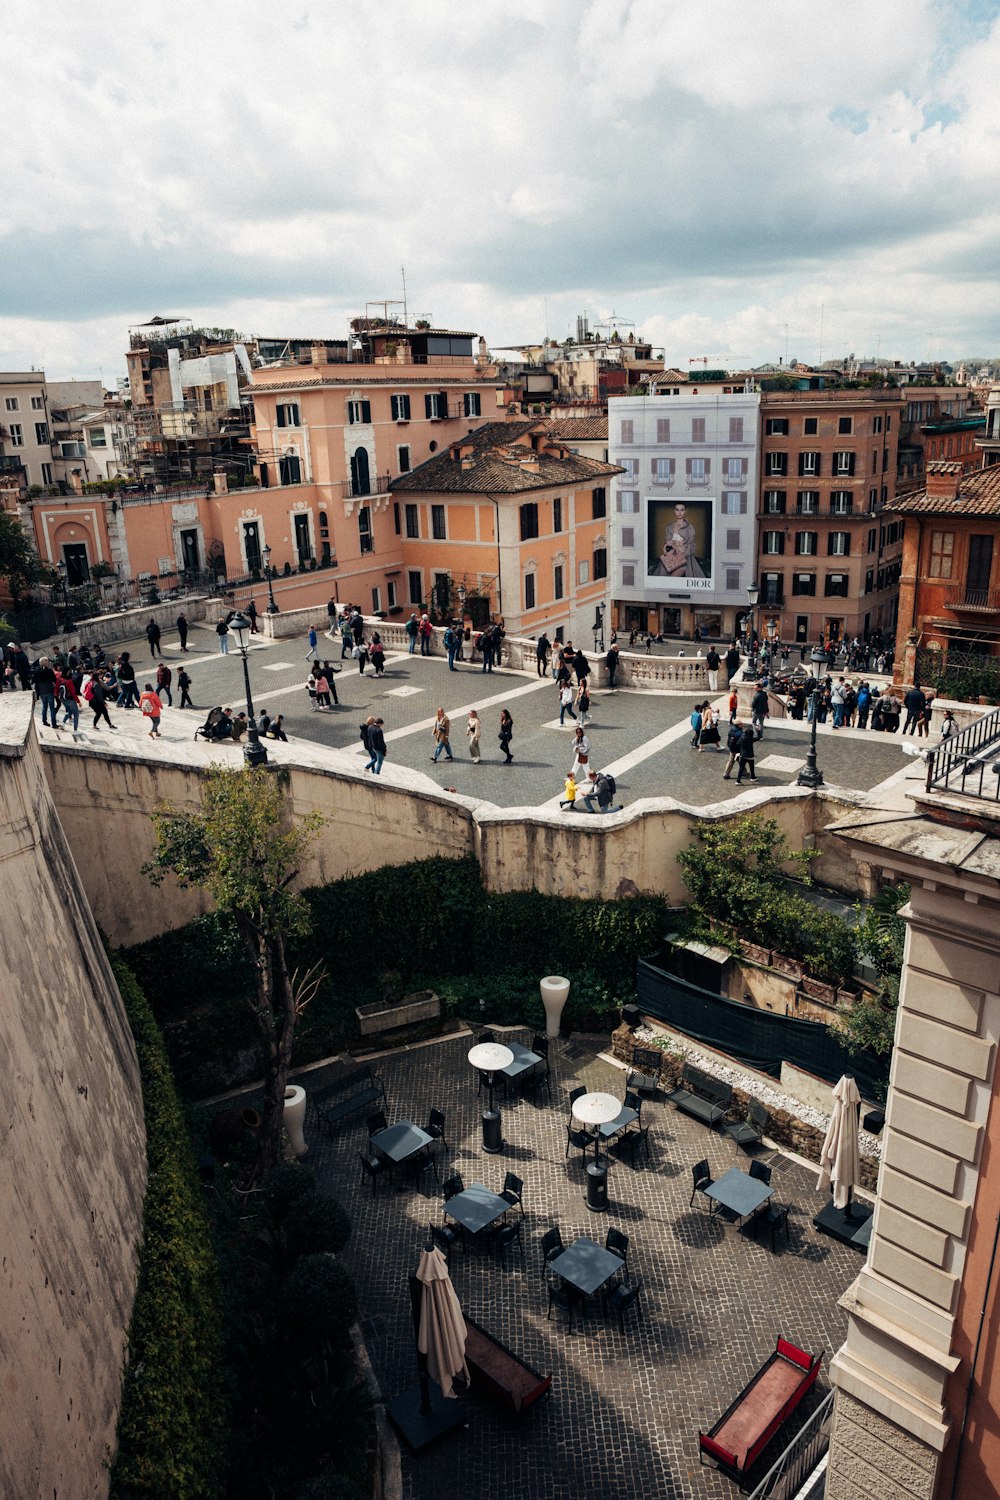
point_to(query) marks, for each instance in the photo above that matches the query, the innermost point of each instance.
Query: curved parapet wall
(73, 1150)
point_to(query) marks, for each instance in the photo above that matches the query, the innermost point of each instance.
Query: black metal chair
(508, 1237)
(644, 1074)
(513, 1188)
(702, 1180)
(773, 1217)
(445, 1239)
(552, 1247)
(751, 1131)
(564, 1299)
(435, 1127)
(540, 1044)
(761, 1171)
(581, 1139)
(376, 1123)
(375, 1168)
(624, 1296)
(633, 1100)
(574, 1095)
(617, 1243)
(453, 1186)
(485, 1036)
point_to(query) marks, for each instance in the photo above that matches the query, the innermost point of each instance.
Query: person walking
(164, 677)
(695, 721)
(746, 756)
(311, 690)
(581, 754)
(581, 666)
(360, 653)
(611, 662)
(474, 730)
(128, 695)
(583, 699)
(506, 735)
(376, 744)
(331, 618)
(44, 683)
(451, 640)
(376, 652)
(734, 703)
(328, 671)
(313, 639)
(412, 630)
(713, 661)
(252, 617)
(153, 637)
(426, 631)
(346, 637)
(70, 699)
(924, 725)
(733, 660)
(758, 711)
(733, 741)
(182, 629)
(565, 703)
(442, 735)
(542, 650)
(709, 728)
(365, 732)
(152, 709)
(949, 725)
(914, 702)
(184, 683)
(222, 631)
(485, 644)
(93, 693)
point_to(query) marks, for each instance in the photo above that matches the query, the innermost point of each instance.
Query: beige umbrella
(840, 1162)
(441, 1336)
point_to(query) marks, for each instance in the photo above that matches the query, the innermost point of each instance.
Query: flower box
(785, 965)
(817, 990)
(755, 952)
(422, 1005)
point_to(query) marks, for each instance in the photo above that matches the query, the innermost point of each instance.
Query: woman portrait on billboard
(677, 558)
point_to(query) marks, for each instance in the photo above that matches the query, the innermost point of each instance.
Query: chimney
(943, 480)
(220, 483)
(317, 353)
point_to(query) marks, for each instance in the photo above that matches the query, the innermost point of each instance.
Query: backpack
(478, 643)
(610, 781)
(733, 739)
(364, 736)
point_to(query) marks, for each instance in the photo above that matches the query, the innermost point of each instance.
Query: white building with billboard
(683, 539)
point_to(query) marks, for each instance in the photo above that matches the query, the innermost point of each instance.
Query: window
(288, 413)
(942, 550)
(842, 502)
(376, 600)
(774, 502)
(776, 427)
(437, 523)
(663, 429)
(390, 594)
(583, 571)
(38, 403)
(600, 562)
(471, 405)
(289, 470)
(736, 429)
(807, 502)
(809, 463)
(805, 543)
(598, 503)
(557, 524)
(838, 544)
(627, 432)
(732, 540)
(628, 502)
(734, 502)
(776, 463)
(876, 424)
(663, 470)
(303, 546)
(628, 575)
(67, 450)
(836, 585)
(414, 584)
(46, 473)
(631, 467)
(872, 537)
(98, 437)
(774, 542)
(365, 529)
(843, 463)
(771, 590)
(803, 583)
(628, 541)
(403, 458)
(732, 580)
(557, 581)
(810, 426)
(529, 590)
(845, 425)
(529, 521)
(869, 580)
(734, 471)
(396, 525)
(885, 493)
(885, 458)
(697, 429)
(698, 470)
(413, 522)
(872, 499)
(888, 422)
(436, 405)
(17, 440)
(12, 403)
(401, 408)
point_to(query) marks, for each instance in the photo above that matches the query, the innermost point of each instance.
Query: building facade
(936, 422)
(683, 521)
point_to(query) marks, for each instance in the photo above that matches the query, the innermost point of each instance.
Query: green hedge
(171, 1423)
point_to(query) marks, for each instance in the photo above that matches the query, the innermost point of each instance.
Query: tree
(243, 849)
(19, 564)
(880, 935)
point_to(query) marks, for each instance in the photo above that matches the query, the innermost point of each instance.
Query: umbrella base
(848, 1225)
(420, 1428)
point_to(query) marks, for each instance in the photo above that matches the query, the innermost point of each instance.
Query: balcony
(772, 599)
(355, 489)
(973, 601)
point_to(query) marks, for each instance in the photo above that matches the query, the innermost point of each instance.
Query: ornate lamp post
(810, 775)
(253, 751)
(598, 627)
(272, 608)
(753, 594)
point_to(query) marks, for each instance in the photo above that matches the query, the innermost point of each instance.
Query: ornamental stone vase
(294, 1116)
(555, 992)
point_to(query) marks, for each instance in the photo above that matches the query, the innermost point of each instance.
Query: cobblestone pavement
(626, 1407)
(641, 736)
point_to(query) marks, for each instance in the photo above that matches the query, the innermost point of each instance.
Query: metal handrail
(800, 1457)
(966, 754)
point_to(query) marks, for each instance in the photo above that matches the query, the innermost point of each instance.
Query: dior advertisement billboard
(679, 539)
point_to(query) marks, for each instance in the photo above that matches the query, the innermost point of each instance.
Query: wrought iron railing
(969, 763)
(988, 599)
(803, 1453)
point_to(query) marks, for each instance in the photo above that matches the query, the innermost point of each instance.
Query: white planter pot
(555, 993)
(294, 1116)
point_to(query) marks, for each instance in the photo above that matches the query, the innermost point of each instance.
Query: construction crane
(717, 361)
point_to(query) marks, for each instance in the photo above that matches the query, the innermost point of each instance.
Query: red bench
(744, 1430)
(500, 1372)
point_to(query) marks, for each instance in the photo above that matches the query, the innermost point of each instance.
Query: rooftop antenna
(406, 322)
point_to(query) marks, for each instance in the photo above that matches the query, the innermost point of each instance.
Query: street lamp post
(598, 627)
(253, 751)
(810, 775)
(272, 608)
(753, 594)
(67, 623)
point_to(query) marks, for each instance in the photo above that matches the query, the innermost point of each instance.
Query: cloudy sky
(739, 180)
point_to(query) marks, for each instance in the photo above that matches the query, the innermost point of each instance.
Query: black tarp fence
(758, 1038)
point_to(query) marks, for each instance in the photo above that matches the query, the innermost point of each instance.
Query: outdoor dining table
(624, 1118)
(525, 1061)
(476, 1207)
(586, 1265)
(402, 1142)
(740, 1193)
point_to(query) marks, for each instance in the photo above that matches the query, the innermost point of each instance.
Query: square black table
(586, 1265)
(524, 1061)
(739, 1192)
(476, 1208)
(618, 1123)
(401, 1142)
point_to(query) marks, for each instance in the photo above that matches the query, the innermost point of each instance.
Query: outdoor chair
(539, 1078)
(485, 1036)
(540, 1044)
(453, 1186)
(774, 1218)
(574, 1095)
(374, 1168)
(425, 1163)
(376, 1123)
(628, 1146)
(552, 1247)
(633, 1100)
(508, 1237)
(435, 1127)
(444, 1238)
(618, 1243)
(761, 1171)
(581, 1139)
(644, 1074)
(624, 1296)
(513, 1187)
(751, 1131)
(702, 1179)
(564, 1299)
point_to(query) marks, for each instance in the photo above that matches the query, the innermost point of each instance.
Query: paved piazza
(642, 737)
(625, 1409)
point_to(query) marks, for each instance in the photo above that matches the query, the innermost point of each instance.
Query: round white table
(490, 1058)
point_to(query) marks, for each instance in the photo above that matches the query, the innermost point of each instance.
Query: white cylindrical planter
(294, 1116)
(555, 993)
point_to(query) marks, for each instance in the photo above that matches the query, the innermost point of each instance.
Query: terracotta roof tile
(578, 429)
(978, 495)
(497, 463)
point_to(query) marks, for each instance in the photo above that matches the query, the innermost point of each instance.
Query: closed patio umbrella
(441, 1336)
(840, 1161)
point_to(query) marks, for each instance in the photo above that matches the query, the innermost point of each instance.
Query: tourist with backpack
(602, 788)
(733, 741)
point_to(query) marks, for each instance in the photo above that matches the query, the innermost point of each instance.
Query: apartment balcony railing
(775, 599)
(822, 513)
(355, 489)
(979, 601)
(660, 483)
(697, 481)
